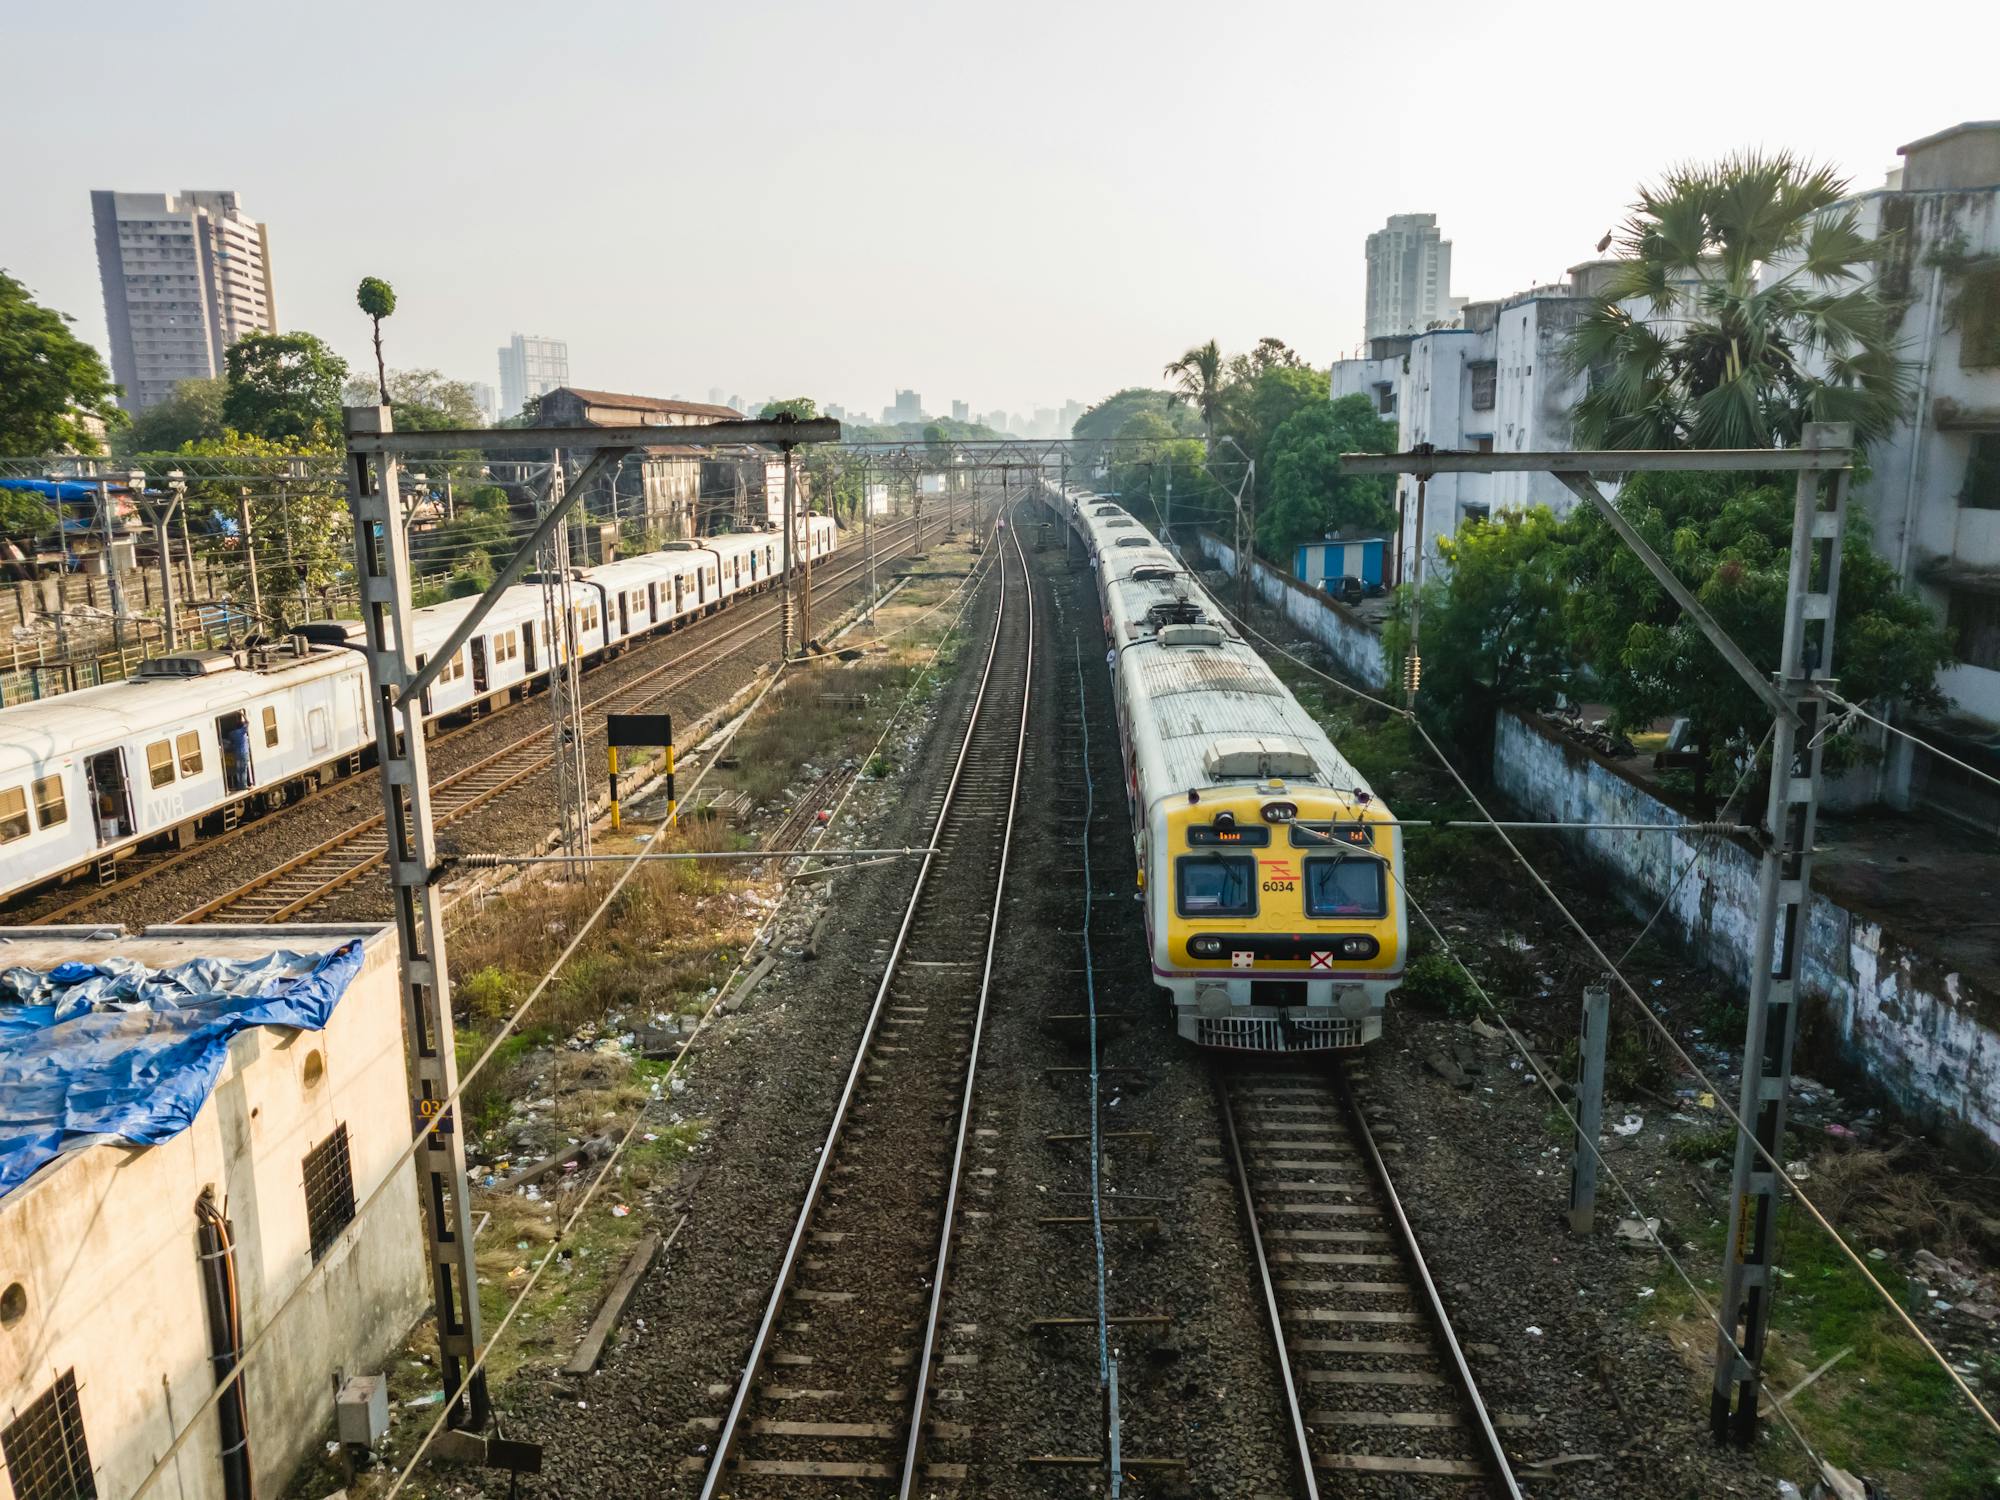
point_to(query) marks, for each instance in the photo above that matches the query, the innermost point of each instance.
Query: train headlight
(1205, 947)
(1279, 812)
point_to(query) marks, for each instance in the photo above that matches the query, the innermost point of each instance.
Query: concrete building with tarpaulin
(189, 1120)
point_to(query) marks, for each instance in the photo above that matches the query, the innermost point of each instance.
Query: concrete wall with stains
(1918, 1031)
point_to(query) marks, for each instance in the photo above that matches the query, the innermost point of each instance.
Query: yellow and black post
(639, 731)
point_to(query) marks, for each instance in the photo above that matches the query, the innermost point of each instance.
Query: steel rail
(1494, 1451)
(926, 1358)
(1295, 1417)
(149, 869)
(731, 1431)
(740, 633)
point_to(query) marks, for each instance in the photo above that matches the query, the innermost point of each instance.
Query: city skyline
(1130, 282)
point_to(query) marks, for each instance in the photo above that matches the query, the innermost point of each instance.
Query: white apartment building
(1498, 380)
(185, 276)
(1409, 276)
(530, 367)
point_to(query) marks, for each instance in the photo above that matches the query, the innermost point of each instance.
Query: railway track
(1379, 1397)
(838, 1381)
(330, 872)
(295, 886)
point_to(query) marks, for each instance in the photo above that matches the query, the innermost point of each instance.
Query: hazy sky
(1008, 204)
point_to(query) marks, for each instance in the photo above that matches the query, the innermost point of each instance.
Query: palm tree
(1199, 376)
(378, 299)
(1759, 315)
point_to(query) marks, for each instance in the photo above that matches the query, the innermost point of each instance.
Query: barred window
(1483, 373)
(51, 805)
(189, 745)
(47, 1456)
(160, 763)
(270, 728)
(329, 1174)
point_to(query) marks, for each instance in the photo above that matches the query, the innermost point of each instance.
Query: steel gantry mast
(565, 684)
(396, 693)
(1823, 463)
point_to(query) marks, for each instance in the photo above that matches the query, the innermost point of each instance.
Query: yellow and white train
(1272, 877)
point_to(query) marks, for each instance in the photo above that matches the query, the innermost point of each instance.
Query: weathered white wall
(103, 1241)
(1339, 629)
(1918, 1030)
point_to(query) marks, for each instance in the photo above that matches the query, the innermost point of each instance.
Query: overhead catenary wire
(1777, 1167)
(391, 1174)
(1850, 709)
(673, 1066)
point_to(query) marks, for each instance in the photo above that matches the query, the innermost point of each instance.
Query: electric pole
(1784, 883)
(565, 682)
(382, 579)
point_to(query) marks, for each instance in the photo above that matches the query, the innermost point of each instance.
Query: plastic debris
(1640, 1234)
(619, 1210)
(1630, 1125)
(1534, 1332)
(431, 1398)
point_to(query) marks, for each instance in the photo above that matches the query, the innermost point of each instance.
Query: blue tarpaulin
(116, 1051)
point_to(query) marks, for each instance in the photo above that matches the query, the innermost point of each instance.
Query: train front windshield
(1350, 887)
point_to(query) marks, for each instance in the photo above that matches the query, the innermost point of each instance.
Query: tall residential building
(185, 276)
(1409, 276)
(1072, 411)
(487, 400)
(909, 407)
(531, 366)
(961, 411)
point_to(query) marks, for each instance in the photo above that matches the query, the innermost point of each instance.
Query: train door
(680, 588)
(701, 585)
(736, 574)
(653, 602)
(232, 733)
(423, 657)
(110, 795)
(528, 649)
(624, 620)
(479, 675)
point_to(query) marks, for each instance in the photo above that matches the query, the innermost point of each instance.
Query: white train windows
(189, 745)
(51, 802)
(270, 728)
(318, 734)
(13, 814)
(160, 763)
(1216, 885)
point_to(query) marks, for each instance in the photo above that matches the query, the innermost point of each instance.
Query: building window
(1385, 398)
(47, 1456)
(1974, 618)
(51, 805)
(329, 1174)
(1483, 444)
(1485, 376)
(1982, 473)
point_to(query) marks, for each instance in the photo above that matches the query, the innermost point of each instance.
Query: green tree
(24, 514)
(1108, 417)
(1491, 626)
(1306, 495)
(1264, 400)
(299, 530)
(420, 401)
(191, 413)
(377, 299)
(800, 408)
(284, 387)
(51, 381)
(1201, 378)
(1760, 316)
(1728, 538)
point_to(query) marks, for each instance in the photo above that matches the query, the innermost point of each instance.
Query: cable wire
(1666, 1033)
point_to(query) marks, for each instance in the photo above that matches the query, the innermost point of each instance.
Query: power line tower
(565, 687)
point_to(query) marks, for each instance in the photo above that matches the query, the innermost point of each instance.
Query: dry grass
(1888, 1198)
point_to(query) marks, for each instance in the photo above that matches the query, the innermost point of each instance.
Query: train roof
(89, 719)
(1207, 708)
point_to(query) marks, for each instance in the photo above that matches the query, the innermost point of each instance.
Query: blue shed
(1337, 557)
